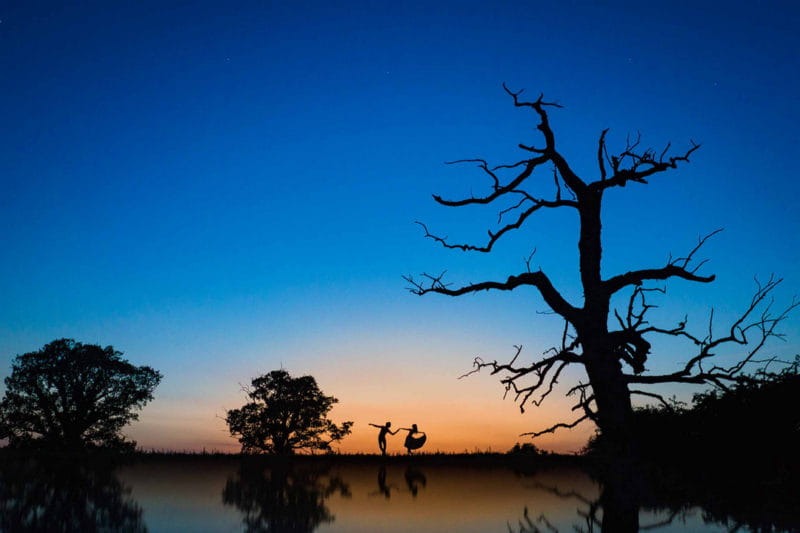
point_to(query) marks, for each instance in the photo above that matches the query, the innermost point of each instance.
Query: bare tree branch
(545, 374)
(762, 326)
(674, 268)
(538, 203)
(658, 397)
(498, 190)
(642, 165)
(571, 179)
(601, 154)
(537, 279)
(553, 428)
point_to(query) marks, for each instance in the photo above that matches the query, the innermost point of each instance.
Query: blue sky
(218, 191)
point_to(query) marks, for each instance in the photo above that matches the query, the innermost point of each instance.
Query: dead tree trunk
(611, 395)
(612, 399)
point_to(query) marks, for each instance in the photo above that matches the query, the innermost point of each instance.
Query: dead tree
(611, 345)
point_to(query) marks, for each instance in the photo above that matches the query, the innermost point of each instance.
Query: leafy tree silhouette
(73, 396)
(285, 415)
(611, 345)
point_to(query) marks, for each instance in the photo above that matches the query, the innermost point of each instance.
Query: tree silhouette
(285, 414)
(613, 346)
(73, 396)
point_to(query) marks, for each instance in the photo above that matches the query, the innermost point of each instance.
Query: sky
(222, 190)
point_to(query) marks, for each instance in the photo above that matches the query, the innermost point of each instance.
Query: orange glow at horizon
(458, 415)
(456, 434)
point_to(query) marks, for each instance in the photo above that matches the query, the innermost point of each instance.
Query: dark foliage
(283, 498)
(526, 448)
(753, 425)
(73, 396)
(759, 417)
(738, 502)
(50, 496)
(285, 415)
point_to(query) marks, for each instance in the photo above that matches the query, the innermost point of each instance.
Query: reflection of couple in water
(414, 440)
(415, 480)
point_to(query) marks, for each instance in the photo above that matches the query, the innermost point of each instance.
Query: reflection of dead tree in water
(589, 514)
(597, 515)
(526, 525)
(733, 503)
(611, 345)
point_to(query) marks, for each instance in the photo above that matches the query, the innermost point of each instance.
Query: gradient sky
(220, 191)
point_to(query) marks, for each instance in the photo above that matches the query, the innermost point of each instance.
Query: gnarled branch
(762, 326)
(641, 164)
(499, 190)
(537, 279)
(494, 236)
(570, 178)
(554, 427)
(674, 268)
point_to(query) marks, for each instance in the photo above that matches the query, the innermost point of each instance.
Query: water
(221, 494)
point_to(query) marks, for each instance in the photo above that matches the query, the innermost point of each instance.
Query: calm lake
(221, 494)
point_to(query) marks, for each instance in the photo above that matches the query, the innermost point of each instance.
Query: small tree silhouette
(73, 396)
(285, 414)
(612, 346)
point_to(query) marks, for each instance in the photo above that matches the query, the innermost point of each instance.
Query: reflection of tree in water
(283, 498)
(590, 514)
(37, 496)
(527, 524)
(590, 518)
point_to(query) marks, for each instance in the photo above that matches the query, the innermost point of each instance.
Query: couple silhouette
(414, 440)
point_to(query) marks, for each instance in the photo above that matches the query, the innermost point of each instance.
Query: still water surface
(228, 495)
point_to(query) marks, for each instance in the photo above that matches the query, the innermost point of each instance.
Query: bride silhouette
(414, 442)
